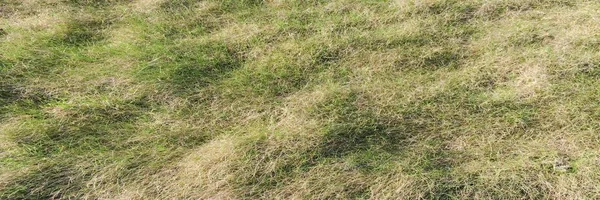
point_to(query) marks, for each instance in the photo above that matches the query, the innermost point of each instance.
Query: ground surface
(434, 99)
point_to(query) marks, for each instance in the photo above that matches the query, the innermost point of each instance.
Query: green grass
(405, 99)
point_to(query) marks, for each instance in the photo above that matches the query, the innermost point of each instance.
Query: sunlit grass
(183, 99)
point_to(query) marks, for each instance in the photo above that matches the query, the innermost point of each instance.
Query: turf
(278, 99)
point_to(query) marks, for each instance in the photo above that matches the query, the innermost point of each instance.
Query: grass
(405, 99)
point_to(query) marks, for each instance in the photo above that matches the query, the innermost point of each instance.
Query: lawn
(314, 99)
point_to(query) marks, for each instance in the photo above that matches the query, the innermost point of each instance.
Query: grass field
(315, 99)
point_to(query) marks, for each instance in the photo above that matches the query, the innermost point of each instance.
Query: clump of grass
(434, 99)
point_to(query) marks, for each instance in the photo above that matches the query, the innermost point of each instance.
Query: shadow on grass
(84, 32)
(96, 3)
(22, 99)
(224, 5)
(202, 66)
(47, 182)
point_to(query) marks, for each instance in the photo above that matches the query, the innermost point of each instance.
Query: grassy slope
(153, 99)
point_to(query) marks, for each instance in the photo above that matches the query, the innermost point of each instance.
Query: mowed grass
(345, 99)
